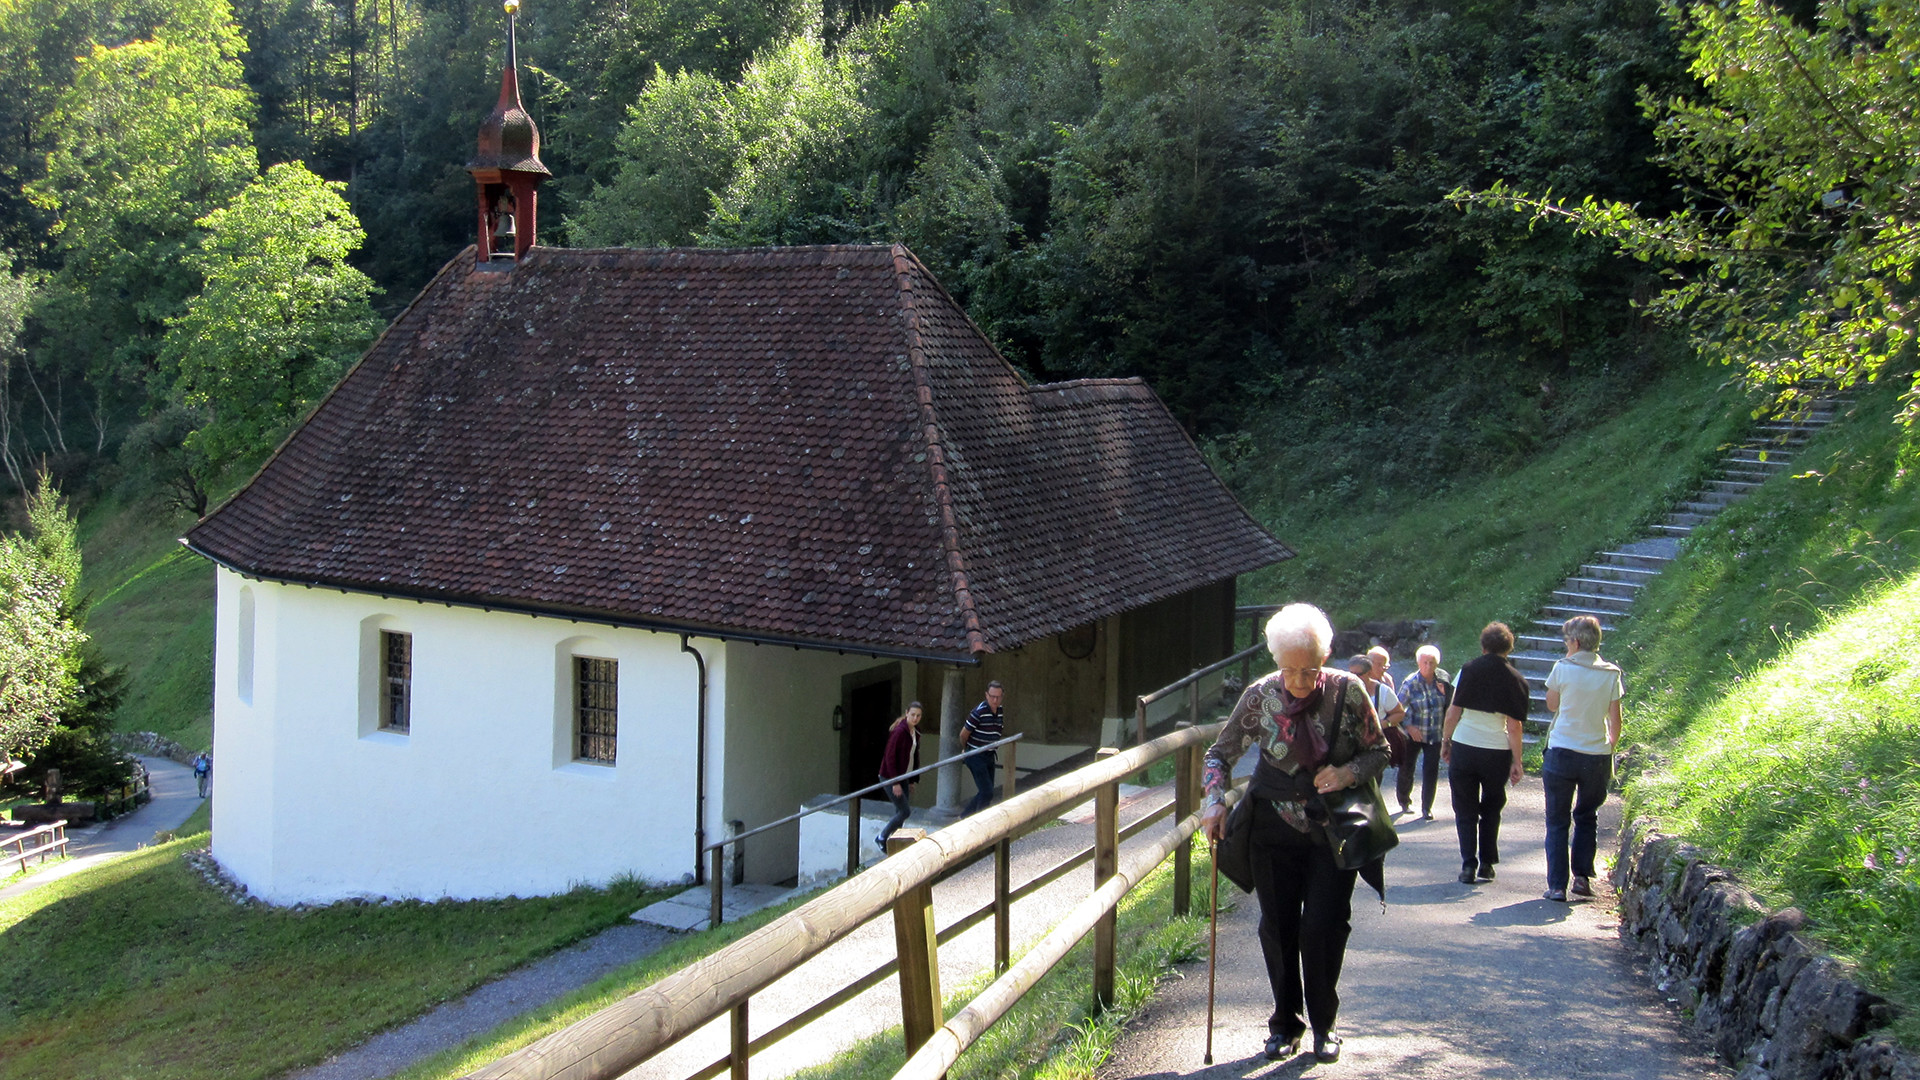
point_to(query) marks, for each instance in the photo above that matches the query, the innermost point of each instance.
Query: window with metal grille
(596, 707)
(396, 681)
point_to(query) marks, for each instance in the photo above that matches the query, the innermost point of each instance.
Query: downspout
(699, 770)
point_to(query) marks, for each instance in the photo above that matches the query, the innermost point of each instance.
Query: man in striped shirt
(985, 724)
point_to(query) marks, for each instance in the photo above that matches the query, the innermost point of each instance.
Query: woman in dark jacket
(902, 755)
(1316, 734)
(1481, 746)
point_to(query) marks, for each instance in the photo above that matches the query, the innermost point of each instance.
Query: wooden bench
(42, 843)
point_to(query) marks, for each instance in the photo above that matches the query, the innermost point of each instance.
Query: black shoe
(881, 843)
(1466, 874)
(1486, 871)
(1581, 887)
(1280, 1048)
(1326, 1048)
(1556, 895)
(1427, 816)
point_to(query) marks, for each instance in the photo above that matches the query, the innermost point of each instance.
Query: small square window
(396, 681)
(596, 707)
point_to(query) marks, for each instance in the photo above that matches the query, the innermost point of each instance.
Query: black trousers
(1428, 754)
(1306, 907)
(1478, 777)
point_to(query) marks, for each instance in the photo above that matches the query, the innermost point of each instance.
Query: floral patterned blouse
(1259, 720)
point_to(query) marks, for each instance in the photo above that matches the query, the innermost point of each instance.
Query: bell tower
(506, 165)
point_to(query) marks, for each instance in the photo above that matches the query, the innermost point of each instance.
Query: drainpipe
(699, 770)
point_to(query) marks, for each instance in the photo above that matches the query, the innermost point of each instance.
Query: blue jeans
(981, 766)
(1576, 785)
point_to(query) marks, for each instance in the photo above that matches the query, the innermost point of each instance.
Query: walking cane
(1213, 939)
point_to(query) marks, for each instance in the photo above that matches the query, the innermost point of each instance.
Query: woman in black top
(1481, 746)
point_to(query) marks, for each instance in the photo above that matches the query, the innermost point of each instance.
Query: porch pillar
(953, 713)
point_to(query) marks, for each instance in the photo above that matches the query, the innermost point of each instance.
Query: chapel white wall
(480, 798)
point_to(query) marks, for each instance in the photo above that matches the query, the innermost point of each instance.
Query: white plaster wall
(480, 798)
(781, 749)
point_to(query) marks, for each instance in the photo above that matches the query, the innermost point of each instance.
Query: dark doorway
(870, 702)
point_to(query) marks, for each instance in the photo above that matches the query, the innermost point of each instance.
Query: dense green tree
(1795, 253)
(279, 317)
(151, 135)
(39, 641)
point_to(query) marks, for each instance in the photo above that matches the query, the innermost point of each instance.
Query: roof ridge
(904, 265)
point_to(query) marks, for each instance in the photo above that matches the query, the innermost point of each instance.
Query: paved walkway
(1451, 981)
(175, 798)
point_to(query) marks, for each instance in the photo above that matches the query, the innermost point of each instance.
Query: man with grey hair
(1584, 693)
(1425, 695)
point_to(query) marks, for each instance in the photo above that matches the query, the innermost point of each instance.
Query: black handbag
(1358, 825)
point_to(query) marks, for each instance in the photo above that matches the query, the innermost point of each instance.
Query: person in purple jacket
(901, 755)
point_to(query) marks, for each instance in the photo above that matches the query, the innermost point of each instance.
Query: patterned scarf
(1298, 730)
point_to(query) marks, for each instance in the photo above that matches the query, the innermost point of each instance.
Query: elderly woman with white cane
(1312, 821)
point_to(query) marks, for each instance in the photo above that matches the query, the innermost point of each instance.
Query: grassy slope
(1774, 694)
(139, 967)
(153, 611)
(1479, 548)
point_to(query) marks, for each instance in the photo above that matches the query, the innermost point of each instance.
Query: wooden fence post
(737, 1058)
(1013, 754)
(1002, 905)
(719, 867)
(919, 948)
(1106, 861)
(1182, 806)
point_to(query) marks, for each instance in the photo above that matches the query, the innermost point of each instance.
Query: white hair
(1299, 626)
(1425, 651)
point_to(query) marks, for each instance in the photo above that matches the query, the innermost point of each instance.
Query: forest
(1408, 240)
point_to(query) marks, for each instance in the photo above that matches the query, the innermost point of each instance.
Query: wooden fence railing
(629, 1032)
(42, 843)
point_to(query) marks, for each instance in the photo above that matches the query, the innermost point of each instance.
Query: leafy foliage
(1794, 255)
(279, 317)
(39, 642)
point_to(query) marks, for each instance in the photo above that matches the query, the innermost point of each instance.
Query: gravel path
(1452, 981)
(491, 1005)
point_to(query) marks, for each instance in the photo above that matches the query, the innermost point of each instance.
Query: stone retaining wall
(1767, 1000)
(152, 745)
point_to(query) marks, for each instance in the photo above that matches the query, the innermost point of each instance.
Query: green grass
(138, 967)
(1475, 548)
(152, 611)
(1051, 1034)
(1773, 712)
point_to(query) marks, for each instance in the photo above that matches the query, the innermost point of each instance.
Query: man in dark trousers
(985, 724)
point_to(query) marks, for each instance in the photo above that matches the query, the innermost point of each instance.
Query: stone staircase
(1605, 587)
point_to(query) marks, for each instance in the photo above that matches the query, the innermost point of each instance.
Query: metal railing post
(853, 835)
(737, 1059)
(1013, 755)
(1140, 721)
(719, 866)
(918, 944)
(1002, 905)
(1106, 861)
(1183, 806)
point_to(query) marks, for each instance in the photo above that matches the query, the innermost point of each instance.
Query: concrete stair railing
(1606, 586)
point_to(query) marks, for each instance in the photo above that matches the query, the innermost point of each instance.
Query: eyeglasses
(1299, 674)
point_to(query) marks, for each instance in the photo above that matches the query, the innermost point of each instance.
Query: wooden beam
(917, 942)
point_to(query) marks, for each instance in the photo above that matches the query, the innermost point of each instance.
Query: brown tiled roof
(805, 445)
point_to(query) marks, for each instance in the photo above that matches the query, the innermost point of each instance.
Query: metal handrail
(889, 782)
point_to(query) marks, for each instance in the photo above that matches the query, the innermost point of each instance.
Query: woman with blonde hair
(1584, 693)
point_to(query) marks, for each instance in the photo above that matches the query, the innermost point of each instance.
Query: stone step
(1752, 477)
(1618, 605)
(1673, 530)
(1553, 615)
(1712, 500)
(1541, 644)
(1686, 517)
(1629, 575)
(1738, 489)
(1748, 457)
(1604, 586)
(1704, 509)
(1633, 560)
